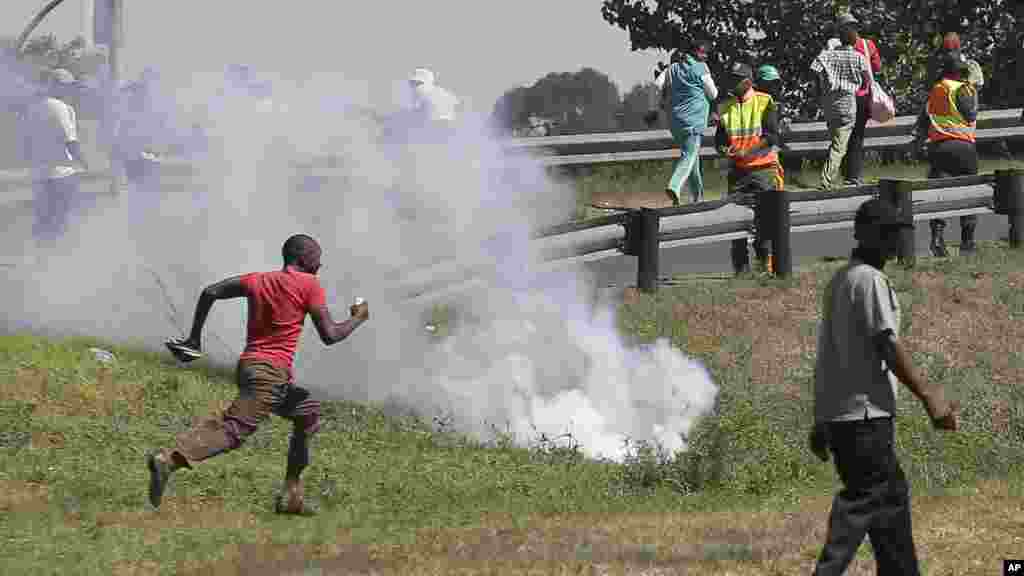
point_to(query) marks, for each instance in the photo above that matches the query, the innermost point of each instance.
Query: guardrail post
(642, 242)
(1009, 200)
(899, 193)
(775, 204)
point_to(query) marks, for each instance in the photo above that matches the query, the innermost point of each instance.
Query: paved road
(807, 248)
(611, 268)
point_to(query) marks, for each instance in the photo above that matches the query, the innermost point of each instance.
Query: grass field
(400, 495)
(650, 177)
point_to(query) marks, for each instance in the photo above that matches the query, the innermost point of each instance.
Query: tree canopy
(790, 33)
(576, 102)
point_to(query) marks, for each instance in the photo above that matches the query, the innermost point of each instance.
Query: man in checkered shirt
(841, 73)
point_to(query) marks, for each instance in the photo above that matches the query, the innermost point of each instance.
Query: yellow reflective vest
(742, 121)
(945, 120)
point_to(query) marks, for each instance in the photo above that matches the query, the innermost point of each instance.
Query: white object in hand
(359, 301)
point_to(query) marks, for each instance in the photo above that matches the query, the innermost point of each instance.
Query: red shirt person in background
(278, 303)
(853, 162)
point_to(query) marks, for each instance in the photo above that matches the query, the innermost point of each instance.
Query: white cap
(422, 75)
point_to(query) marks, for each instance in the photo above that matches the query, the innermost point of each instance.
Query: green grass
(405, 494)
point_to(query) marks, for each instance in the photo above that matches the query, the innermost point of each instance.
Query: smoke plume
(526, 349)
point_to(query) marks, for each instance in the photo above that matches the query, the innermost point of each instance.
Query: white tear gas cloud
(529, 351)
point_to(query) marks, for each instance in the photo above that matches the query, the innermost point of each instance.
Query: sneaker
(294, 508)
(938, 247)
(159, 474)
(183, 352)
(672, 198)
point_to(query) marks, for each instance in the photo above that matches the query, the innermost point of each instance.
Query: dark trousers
(263, 389)
(747, 188)
(953, 158)
(853, 162)
(53, 200)
(874, 501)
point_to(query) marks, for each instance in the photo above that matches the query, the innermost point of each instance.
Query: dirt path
(630, 199)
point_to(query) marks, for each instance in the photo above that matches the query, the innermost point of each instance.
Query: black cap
(876, 212)
(741, 70)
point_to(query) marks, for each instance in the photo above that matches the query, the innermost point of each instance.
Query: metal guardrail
(805, 139)
(999, 193)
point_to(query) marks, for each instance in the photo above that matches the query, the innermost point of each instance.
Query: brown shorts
(263, 389)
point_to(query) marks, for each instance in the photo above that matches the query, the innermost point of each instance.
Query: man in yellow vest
(748, 135)
(948, 122)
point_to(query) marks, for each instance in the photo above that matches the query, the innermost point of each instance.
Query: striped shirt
(841, 72)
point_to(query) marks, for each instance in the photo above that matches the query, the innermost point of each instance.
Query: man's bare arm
(224, 290)
(332, 332)
(897, 358)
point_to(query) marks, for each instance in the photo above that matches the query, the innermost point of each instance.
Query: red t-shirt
(278, 304)
(870, 51)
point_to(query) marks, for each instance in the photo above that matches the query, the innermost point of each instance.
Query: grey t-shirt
(851, 380)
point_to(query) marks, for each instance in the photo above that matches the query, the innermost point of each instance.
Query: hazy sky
(477, 48)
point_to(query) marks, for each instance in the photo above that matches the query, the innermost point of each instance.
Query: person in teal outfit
(687, 91)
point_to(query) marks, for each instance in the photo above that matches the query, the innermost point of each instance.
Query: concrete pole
(116, 42)
(115, 51)
(88, 28)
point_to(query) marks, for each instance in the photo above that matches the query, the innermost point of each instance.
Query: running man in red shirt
(278, 303)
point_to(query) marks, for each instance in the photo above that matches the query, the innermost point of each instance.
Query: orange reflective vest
(742, 122)
(945, 120)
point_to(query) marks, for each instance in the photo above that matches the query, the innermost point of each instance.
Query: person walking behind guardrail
(840, 74)
(50, 141)
(278, 303)
(687, 91)
(951, 43)
(859, 358)
(948, 123)
(432, 105)
(768, 80)
(748, 135)
(853, 162)
(139, 128)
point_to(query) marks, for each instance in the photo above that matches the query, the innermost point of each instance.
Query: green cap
(767, 73)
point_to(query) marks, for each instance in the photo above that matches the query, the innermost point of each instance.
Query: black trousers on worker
(954, 158)
(853, 163)
(874, 501)
(748, 187)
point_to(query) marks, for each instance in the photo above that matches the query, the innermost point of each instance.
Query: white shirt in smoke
(435, 102)
(50, 125)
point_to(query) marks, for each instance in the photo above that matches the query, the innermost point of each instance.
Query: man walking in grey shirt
(860, 358)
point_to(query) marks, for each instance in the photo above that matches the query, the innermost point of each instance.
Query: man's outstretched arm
(332, 332)
(224, 290)
(944, 414)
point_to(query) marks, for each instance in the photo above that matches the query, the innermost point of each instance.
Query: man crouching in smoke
(277, 306)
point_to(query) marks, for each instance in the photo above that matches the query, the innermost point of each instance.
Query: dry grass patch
(176, 513)
(964, 534)
(960, 322)
(105, 393)
(23, 497)
(771, 317)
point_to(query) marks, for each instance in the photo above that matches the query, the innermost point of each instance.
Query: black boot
(740, 256)
(967, 226)
(938, 244)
